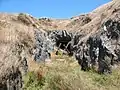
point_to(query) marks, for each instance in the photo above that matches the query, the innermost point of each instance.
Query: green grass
(64, 73)
(32, 82)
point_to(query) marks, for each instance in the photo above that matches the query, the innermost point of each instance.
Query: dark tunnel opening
(64, 45)
(62, 40)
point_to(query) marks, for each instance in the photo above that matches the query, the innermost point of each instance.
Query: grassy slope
(63, 73)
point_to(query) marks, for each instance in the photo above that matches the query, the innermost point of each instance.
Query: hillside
(89, 42)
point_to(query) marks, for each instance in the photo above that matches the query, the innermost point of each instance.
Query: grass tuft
(64, 73)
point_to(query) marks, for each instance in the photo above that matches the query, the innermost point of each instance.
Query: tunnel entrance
(62, 43)
(64, 46)
(61, 39)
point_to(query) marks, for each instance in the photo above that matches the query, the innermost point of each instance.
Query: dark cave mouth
(63, 44)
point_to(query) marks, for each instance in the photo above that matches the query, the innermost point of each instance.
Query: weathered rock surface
(43, 46)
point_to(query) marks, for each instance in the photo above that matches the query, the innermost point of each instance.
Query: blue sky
(50, 8)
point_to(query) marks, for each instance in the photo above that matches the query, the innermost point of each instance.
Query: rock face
(101, 49)
(43, 47)
(13, 81)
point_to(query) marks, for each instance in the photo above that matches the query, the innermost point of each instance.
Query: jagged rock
(111, 37)
(72, 45)
(44, 46)
(101, 49)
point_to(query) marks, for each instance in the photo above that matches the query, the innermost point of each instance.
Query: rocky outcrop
(43, 46)
(100, 49)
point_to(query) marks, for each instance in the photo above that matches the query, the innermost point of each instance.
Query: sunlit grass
(64, 73)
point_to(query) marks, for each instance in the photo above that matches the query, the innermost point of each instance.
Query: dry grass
(63, 73)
